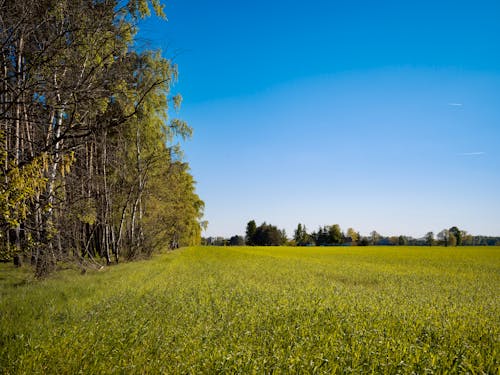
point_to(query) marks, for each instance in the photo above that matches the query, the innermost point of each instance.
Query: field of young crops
(260, 310)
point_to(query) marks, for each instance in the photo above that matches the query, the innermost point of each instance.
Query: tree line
(91, 168)
(332, 235)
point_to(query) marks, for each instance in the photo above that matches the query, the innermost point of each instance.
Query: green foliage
(429, 239)
(236, 241)
(402, 241)
(86, 211)
(260, 310)
(301, 237)
(141, 8)
(328, 235)
(154, 189)
(335, 235)
(173, 209)
(18, 188)
(374, 237)
(250, 232)
(265, 235)
(353, 235)
(77, 93)
(452, 240)
(455, 236)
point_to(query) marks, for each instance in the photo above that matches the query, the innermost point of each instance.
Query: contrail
(472, 153)
(455, 104)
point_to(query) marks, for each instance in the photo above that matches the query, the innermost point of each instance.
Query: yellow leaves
(59, 10)
(19, 187)
(144, 9)
(180, 128)
(98, 60)
(86, 212)
(127, 33)
(175, 72)
(141, 9)
(66, 162)
(177, 100)
(158, 8)
(3, 151)
(101, 105)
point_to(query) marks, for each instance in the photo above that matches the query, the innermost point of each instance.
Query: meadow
(380, 310)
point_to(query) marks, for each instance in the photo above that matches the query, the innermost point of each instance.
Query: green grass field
(260, 310)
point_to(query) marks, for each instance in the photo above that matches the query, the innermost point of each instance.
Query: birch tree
(78, 105)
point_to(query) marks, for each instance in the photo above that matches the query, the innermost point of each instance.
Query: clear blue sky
(376, 115)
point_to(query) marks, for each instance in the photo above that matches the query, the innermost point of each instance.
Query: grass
(260, 310)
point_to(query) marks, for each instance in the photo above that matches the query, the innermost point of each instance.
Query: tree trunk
(107, 198)
(46, 258)
(17, 141)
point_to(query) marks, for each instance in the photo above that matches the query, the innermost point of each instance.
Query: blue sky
(374, 115)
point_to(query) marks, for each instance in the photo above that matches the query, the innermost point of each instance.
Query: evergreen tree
(301, 237)
(250, 233)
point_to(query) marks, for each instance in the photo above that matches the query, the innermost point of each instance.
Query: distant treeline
(332, 235)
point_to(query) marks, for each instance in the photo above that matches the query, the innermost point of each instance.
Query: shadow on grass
(14, 277)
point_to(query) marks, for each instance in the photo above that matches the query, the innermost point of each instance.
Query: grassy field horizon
(260, 310)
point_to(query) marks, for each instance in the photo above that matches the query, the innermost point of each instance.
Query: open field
(299, 310)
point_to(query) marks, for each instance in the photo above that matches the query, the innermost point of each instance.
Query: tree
(321, 236)
(452, 240)
(284, 237)
(53, 92)
(402, 241)
(443, 237)
(467, 239)
(353, 235)
(269, 235)
(457, 233)
(374, 237)
(335, 235)
(171, 212)
(250, 233)
(364, 241)
(301, 237)
(429, 239)
(89, 168)
(236, 241)
(299, 234)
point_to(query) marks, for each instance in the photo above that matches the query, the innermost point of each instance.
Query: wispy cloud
(455, 104)
(476, 153)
